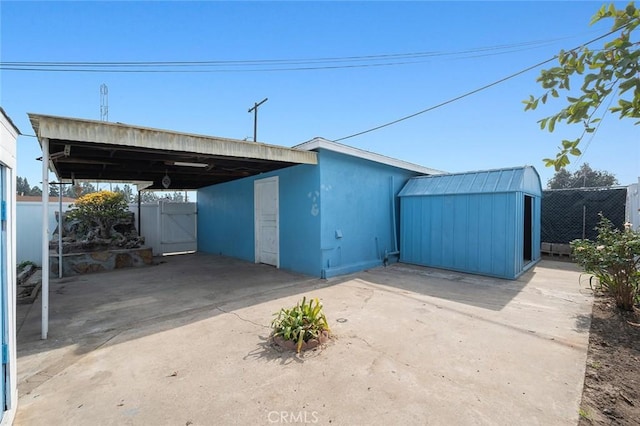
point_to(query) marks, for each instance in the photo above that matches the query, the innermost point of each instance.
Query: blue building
(485, 222)
(333, 218)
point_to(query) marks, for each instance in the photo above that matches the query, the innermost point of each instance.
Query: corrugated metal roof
(500, 180)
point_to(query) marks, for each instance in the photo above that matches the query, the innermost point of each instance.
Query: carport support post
(60, 231)
(45, 237)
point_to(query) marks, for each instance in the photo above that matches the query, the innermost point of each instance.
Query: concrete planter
(311, 344)
(84, 263)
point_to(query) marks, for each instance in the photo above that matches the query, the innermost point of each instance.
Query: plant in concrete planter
(100, 210)
(303, 326)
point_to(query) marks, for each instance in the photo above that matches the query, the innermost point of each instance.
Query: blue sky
(487, 130)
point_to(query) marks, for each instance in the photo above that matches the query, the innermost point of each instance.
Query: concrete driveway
(186, 343)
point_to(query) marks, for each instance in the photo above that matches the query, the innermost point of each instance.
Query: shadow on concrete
(91, 311)
(88, 311)
(583, 323)
(475, 290)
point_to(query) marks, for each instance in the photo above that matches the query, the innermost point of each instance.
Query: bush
(300, 324)
(99, 209)
(613, 259)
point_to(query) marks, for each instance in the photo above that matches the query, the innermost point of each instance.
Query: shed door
(267, 241)
(528, 229)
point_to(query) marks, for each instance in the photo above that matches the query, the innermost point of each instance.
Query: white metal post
(45, 237)
(60, 186)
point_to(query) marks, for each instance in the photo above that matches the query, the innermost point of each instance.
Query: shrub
(300, 324)
(613, 259)
(99, 209)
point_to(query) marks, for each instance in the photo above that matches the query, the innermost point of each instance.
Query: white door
(267, 221)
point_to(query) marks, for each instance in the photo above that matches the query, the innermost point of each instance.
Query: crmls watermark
(292, 417)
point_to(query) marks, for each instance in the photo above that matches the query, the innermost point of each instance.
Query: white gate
(178, 227)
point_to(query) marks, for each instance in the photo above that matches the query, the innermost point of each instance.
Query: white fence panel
(149, 226)
(167, 227)
(29, 229)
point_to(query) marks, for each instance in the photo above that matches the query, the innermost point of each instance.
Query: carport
(80, 150)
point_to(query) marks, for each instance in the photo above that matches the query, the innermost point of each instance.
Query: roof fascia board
(8, 123)
(134, 136)
(320, 143)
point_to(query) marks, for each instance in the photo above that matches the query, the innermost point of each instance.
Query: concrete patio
(186, 343)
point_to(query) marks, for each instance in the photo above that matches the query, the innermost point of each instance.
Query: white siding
(8, 137)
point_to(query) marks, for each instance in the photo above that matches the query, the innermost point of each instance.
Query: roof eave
(321, 143)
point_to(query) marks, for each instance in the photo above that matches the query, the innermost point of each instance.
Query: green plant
(99, 209)
(303, 322)
(613, 259)
(24, 264)
(584, 414)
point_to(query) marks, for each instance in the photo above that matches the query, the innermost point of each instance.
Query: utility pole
(255, 118)
(104, 102)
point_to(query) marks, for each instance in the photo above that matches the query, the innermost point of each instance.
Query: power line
(457, 98)
(274, 64)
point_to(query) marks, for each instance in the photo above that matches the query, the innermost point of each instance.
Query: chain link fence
(569, 214)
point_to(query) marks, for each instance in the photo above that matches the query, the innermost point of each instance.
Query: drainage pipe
(395, 251)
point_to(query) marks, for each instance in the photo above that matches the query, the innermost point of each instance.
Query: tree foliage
(585, 177)
(23, 187)
(67, 191)
(99, 209)
(127, 193)
(611, 71)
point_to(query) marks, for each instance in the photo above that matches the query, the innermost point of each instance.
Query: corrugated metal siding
(470, 222)
(475, 233)
(506, 180)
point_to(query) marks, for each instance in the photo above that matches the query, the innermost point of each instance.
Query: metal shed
(483, 222)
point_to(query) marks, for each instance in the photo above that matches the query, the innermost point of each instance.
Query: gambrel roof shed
(482, 222)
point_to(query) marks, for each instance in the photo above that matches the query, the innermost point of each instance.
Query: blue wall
(335, 217)
(462, 222)
(472, 233)
(226, 218)
(357, 197)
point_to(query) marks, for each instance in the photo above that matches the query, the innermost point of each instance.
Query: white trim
(317, 143)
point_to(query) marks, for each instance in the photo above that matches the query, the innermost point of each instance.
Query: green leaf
(630, 9)
(543, 123)
(626, 85)
(575, 152)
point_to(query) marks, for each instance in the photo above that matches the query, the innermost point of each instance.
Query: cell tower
(104, 102)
